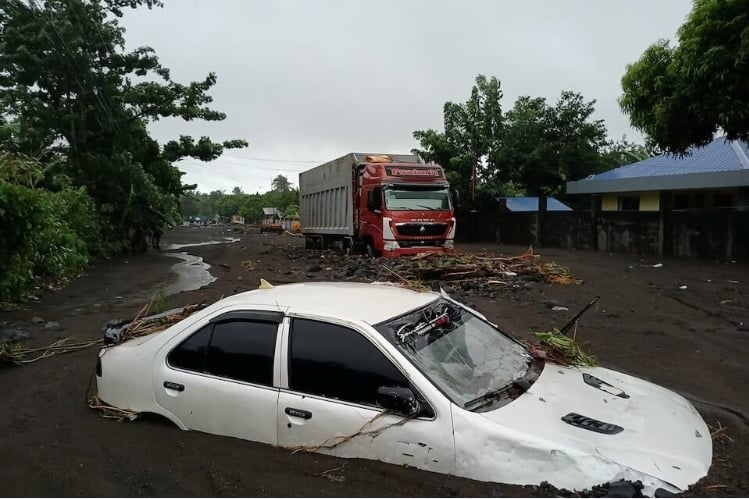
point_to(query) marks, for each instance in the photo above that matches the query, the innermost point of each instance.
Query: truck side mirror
(456, 198)
(370, 200)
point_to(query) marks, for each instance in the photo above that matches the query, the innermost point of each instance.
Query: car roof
(371, 303)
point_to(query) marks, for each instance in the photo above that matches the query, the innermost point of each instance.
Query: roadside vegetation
(80, 176)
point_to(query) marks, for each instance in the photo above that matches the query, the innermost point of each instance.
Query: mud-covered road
(674, 324)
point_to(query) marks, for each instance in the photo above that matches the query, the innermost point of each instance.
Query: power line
(239, 162)
(275, 160)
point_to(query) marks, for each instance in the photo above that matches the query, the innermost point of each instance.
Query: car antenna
(566, 328)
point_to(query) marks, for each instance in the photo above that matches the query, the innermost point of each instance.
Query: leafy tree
(680, 96)
(471, 138)
(622, 152)
(75, 93)
(281, 184)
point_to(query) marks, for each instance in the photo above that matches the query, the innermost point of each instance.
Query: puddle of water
(192, 273)
(204, 243)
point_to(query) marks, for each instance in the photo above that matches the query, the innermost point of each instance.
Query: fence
(718, 233)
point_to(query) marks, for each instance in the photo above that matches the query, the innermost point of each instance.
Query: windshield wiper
(491, 396)
(426, 207)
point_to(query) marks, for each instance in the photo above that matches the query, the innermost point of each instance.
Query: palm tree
(281, 184)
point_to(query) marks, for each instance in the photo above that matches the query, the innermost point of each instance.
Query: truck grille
(421, 229)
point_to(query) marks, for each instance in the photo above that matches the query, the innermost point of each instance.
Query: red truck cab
(403, 208)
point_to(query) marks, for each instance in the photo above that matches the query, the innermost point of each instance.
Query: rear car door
(220, 378)
(327, 403)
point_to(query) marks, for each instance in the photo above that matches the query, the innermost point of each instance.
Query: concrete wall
(717, 233)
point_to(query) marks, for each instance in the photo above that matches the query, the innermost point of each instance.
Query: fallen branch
(337, 440)
(111, 412)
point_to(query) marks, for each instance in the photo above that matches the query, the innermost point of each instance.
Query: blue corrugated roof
(531, 204)
(719, 155)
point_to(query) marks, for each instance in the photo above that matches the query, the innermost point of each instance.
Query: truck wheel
(371, 252)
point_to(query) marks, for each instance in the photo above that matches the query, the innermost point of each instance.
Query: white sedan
(380, 372)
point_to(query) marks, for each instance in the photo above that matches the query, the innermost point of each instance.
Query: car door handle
(299, 413)
(171, 385)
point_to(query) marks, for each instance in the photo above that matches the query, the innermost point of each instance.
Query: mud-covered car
(380, 372)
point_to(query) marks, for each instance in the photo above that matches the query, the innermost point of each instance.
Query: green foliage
(472, 135)
(534, 148)
(74, 91)
(45, 233)
(282, 195)
(680, 96)
(79, 173)
(158, 302)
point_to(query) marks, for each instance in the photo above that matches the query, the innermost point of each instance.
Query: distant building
(710, 177)
(530, 204)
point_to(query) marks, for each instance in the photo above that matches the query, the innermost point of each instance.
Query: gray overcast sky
(312, 80)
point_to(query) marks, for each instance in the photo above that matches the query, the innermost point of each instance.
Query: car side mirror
(398, 399)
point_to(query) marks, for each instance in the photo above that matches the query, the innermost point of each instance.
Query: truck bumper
(391, 249)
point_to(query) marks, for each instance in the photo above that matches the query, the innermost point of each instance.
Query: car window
(237, 349)
(336, 362)
(190, 354)
(243, 350)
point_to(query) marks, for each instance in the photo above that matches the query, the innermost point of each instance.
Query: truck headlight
(449, 244)
(390, 246)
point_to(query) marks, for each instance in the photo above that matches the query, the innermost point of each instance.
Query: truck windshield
(463, 355)
(416, 198)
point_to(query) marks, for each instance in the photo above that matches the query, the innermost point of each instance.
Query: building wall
(683, 200)
(648, 200)
(710, 233)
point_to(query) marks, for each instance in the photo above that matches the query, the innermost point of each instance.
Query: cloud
(312, 80)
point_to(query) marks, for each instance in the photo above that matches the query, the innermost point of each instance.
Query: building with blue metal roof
(530, 204)
(713, 176)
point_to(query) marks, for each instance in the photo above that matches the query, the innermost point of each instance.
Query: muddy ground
(53, 444)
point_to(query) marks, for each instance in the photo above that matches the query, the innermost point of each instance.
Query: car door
(219, 378)
(327, 401)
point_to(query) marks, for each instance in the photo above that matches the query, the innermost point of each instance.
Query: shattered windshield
(416, 198)
(461, 354)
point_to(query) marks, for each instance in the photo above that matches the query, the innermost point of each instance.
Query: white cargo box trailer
(326, 194)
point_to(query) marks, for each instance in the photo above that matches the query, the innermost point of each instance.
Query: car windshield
(460, 353)
(416, 198)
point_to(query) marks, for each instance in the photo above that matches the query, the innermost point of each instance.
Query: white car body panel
(522, 442)
(663, 434)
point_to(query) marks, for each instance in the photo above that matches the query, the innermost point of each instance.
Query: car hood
(659, 432)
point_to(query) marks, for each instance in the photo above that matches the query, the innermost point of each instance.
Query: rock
(559, 308)
(550, 304)
(314, 268)
(12, 334)
(37, 320)
(51, 325)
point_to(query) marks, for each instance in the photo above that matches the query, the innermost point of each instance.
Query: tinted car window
(336, 362)
(190, 354)
(243, 350)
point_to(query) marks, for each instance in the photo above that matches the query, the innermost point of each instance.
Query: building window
(681, 201)
(722, 200)
(699, 200)
(629, 203)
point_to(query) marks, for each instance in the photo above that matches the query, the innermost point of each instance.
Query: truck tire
(371, 251)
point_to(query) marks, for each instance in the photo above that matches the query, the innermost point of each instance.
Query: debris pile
(13, 354)
(463, 274)
(116, 331)
(492, 270)
(560, 349)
